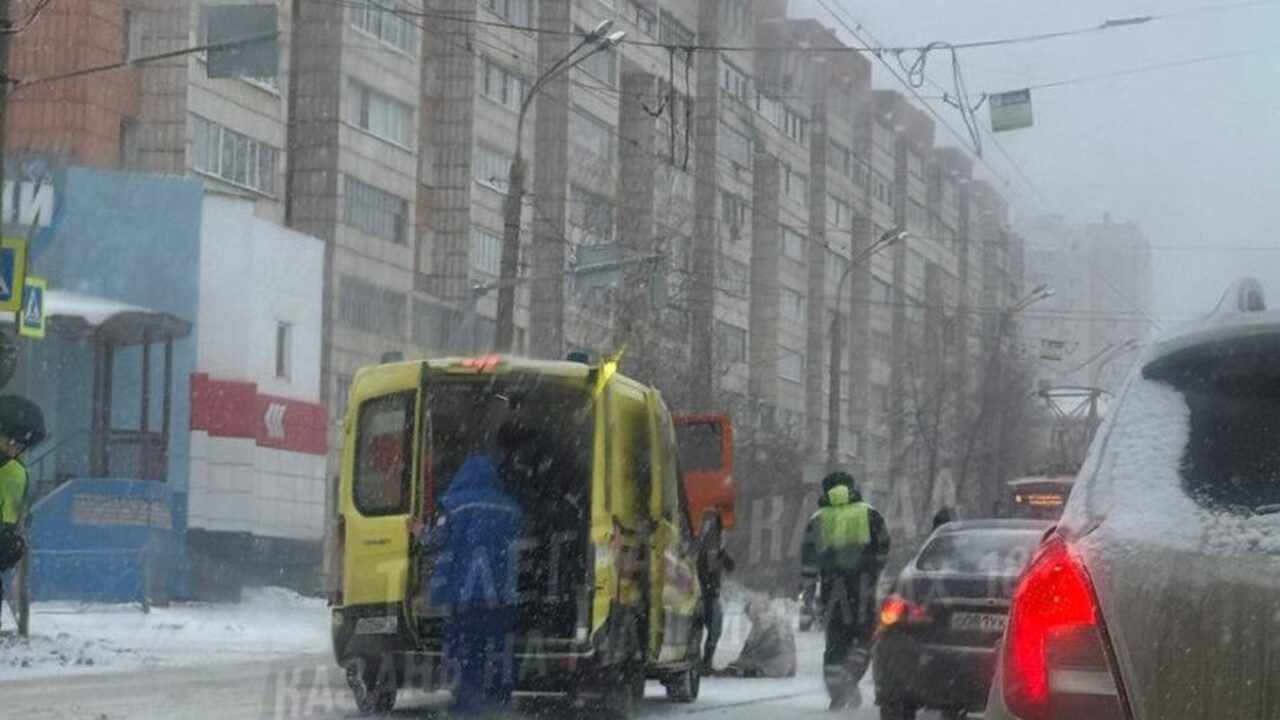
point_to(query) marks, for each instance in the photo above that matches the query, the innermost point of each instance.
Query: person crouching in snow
(770, 649)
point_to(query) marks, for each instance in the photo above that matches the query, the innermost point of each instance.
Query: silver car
(1158, 596)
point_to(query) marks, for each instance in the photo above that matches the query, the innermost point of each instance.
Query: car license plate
(981, 622)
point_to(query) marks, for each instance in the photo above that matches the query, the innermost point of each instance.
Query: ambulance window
(381, 484)
(641, 464)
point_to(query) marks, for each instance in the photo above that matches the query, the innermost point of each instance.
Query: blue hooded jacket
(480, 524)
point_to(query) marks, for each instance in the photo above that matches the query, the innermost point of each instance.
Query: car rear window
(1231, 454)
(995, 552)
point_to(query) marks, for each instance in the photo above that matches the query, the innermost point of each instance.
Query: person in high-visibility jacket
(21, 427)
(846, 546)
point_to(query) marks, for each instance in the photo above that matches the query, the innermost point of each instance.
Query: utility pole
(22, 607)
(6, 37)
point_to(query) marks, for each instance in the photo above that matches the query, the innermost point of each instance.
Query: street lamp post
(1038, 293)
(837, 345)
(602, 40)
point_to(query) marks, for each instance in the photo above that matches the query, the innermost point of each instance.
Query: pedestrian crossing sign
(31, 317)
(13, 271)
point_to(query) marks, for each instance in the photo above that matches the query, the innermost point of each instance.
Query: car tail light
(896, 609)
(1057, 662)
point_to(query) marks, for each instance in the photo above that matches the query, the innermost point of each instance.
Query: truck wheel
(374, 692)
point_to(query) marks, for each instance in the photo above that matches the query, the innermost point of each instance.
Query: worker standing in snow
(847, 545)
(713, 562)
(21, 428)
(474, 578)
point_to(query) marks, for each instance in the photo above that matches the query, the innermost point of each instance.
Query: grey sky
(1190, 153)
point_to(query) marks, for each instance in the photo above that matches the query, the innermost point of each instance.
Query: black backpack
(12, 546)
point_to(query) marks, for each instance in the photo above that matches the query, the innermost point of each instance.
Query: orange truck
(705, 446)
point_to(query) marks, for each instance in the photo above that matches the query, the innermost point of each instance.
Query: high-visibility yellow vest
(13, 489)
(844, 531)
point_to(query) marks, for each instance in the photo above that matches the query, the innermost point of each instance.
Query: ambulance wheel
(683, 687)
(621, 699)
(374, 691)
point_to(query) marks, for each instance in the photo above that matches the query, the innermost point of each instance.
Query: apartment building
(1101, 276)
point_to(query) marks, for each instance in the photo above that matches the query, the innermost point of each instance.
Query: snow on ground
(75, 638)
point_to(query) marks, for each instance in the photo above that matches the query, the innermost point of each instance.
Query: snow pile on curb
(74, 638)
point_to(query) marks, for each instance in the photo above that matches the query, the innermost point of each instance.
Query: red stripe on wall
(232, 408)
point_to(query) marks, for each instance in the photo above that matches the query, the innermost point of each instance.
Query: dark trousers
(714, 615)
(480, 653)
(849, 602)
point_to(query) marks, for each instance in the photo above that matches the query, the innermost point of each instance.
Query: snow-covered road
(310, 686)
(268, 658)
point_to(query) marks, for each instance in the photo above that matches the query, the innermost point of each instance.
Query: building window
(733, 16)
(735, 277)
(386, 21)
(132, 44)
(590, 133)
(735, 212)
(792, 305)
(794, 124)
(734, 146)
(491, 167)
(375, 211)
(916, 267)
(793, 244)
(367, 307)
(836, 264)
(673, 32)
(734, 82)
(499, 84)
(379, 114)
(915, 164)
(794, 184)
(486, 251)
(434, 325)
(238, 159)
(881, 291)
(731, 342)
(839, 214)
(130, 151)
(591, 213)
(202, 38)
(790, 364)
(516, 12)
(284, 350)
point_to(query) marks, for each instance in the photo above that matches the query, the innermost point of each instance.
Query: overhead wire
(867, 47)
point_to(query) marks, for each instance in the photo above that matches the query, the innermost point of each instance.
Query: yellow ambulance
(608, 594)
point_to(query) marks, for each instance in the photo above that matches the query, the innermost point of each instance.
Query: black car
(938, 629)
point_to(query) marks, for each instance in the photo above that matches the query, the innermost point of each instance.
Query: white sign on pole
(1010, 110)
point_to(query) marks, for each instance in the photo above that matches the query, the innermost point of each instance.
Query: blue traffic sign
(13, 266)
(31, 318)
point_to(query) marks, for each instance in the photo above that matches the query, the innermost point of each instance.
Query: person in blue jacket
(474, 577)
